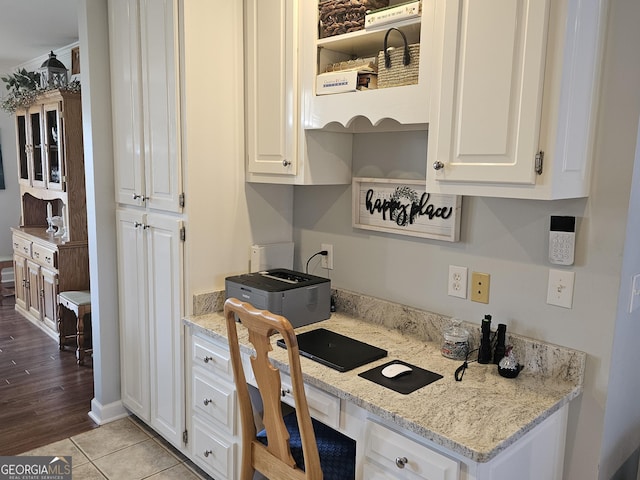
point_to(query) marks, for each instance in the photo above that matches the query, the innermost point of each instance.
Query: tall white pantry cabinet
(148, 171)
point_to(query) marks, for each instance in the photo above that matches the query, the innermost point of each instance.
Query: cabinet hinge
(185, 437)
(183, 234)
(181, 200)
(539, 161)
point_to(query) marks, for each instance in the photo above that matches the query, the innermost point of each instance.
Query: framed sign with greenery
(404, 207)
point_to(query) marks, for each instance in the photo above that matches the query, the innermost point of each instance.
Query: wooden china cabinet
(50, 171)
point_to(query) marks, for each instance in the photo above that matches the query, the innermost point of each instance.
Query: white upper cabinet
(278, 148)
(146, 126)
(513, 97)
(272, 119)
(405, 105)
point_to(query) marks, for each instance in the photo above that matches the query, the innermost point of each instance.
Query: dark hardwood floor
(44, 395)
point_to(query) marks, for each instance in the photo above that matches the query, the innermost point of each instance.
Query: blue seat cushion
(337, 451)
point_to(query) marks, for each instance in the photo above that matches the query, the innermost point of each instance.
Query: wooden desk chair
(289, 452)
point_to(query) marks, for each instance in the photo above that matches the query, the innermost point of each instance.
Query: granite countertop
(477, 417)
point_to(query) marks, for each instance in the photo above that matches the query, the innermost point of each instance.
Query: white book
(391, 14)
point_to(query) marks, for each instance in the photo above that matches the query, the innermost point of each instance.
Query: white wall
(508, 239)
(10, 197)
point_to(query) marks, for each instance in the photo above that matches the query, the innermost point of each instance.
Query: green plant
(22, 81)
(23, 88)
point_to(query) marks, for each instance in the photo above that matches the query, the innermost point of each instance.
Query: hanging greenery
(24, 87)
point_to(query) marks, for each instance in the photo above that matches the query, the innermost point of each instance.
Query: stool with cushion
(78, 302)
(291, 447)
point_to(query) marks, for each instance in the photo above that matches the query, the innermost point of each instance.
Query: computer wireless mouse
(395, 370)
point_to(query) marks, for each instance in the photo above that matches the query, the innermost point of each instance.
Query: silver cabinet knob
(286, 163)
(207, 401)
(207, 359)
(401, 462)
(285, 392)
(208, 452)
(438, 165)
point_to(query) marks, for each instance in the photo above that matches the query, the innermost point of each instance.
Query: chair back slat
(276, 457)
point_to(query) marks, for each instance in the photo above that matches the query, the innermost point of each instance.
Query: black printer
(300, 297)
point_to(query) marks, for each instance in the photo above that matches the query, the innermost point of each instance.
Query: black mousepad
(405, 383)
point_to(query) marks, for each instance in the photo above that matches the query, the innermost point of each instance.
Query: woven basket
(344, 16)
(398, 66)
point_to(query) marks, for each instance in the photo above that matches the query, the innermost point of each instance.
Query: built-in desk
(485, 426)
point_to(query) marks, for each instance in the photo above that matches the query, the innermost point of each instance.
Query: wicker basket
(344, 16)
(398, 66)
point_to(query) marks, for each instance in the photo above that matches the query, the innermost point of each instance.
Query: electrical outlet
(480, 287)
(327, 260)
(560, 288)
(457, 284)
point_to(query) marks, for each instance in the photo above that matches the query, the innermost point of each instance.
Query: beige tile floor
(122, 450)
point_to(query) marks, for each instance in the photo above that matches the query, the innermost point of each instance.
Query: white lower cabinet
(212, 408)
(390, 455)
(150, 257)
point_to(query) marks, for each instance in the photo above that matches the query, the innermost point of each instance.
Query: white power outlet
(457, 284)
(327, 260)
(560, 288)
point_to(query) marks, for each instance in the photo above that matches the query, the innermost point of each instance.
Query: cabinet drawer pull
(285, 392)
(207, 359)
(47, 259)
(286, 163)
(401, 462)
(137, 196)
(26, 249)
(36, 254)
(438, 165)
(208, 452)
(207, 401)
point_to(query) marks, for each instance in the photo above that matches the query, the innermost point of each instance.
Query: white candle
(49, 211)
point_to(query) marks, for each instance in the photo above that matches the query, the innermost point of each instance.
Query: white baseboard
(102, 414)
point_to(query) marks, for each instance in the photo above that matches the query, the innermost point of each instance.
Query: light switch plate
(560, 288)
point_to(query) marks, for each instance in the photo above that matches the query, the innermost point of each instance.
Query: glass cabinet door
(35, 140)
(53, 146)
(23, 148)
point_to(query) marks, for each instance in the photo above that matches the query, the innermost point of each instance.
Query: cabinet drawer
(45, 256)
(322, 405)
(213, 357)
(215, 401)
(22, 246)
(214, 452)
(404, 458)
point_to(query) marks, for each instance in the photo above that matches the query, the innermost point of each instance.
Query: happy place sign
(405, 207)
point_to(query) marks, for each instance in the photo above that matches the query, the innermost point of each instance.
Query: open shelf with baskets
(401, 107)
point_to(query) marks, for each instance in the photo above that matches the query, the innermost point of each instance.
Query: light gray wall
(10, 197)
(508, 239)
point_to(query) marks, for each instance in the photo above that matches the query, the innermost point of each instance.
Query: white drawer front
(212, 357)
(214, 452)
(214, 401)
(322, 405)
(44, 256)
(405, 459)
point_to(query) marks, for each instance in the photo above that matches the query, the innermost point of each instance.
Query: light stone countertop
(477, 417)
